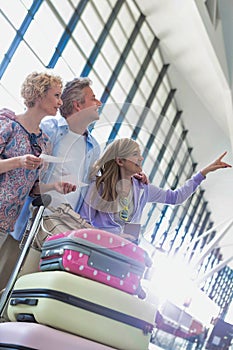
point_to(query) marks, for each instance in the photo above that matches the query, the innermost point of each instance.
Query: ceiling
(200, 55)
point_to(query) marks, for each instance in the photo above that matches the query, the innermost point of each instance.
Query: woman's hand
(29, 161)
(217, 164)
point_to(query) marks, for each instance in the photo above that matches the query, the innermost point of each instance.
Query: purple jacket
(142, 194)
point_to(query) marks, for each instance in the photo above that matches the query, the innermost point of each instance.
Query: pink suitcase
(97, 255)
(34, 336)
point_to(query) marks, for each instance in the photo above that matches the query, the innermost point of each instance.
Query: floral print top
(16, 184)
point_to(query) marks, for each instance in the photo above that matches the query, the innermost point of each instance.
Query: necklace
(125, 207)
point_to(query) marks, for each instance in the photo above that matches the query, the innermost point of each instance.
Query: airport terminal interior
(163, 71)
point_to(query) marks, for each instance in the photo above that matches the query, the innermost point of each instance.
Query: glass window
(40, 43)
(120, 37)
(110, 52)
(83, 39)
(97, 25)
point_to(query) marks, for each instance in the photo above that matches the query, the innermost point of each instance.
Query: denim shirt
(56, 129)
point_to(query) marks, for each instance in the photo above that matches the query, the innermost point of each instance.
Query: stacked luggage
(98, 255)
(34, 336)
(88, 290)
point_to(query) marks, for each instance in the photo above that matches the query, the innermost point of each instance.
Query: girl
(116, 198)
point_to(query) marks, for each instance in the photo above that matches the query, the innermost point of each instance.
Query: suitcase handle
(24, 301)
(40, 203)
(108, 264)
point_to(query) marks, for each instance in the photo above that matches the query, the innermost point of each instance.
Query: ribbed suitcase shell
(83, 307)
(31, 336)
(97, 255)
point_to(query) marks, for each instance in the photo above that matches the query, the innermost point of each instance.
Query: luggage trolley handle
(40, 202)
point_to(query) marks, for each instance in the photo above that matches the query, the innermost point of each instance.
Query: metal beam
(217, 268)
(67, 33)
(190, 248)
(19, 35)
(213, 243)
(100, 41)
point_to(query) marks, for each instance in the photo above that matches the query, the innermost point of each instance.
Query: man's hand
(142, 177)
(64, 187)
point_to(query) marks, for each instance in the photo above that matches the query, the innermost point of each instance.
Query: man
(72, 142)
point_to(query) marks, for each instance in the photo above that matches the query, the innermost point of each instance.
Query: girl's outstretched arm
(217, 164)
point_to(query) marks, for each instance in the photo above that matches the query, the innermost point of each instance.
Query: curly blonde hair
(36, 85)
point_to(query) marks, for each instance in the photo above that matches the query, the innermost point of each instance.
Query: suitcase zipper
(51, 249)
(30, 297)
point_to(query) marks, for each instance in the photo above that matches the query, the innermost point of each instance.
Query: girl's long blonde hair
(106, 169)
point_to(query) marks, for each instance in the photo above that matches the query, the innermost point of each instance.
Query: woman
(116, 198)
(21, 143)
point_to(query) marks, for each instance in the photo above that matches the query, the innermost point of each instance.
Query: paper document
(52, 159)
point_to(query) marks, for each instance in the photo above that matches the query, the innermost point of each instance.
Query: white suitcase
(83, 307)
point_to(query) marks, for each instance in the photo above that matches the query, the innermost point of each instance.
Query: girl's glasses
(124, 212)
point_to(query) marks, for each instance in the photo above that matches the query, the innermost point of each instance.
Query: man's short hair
(73, 91)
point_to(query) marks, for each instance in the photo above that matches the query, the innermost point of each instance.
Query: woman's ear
(119, 161)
